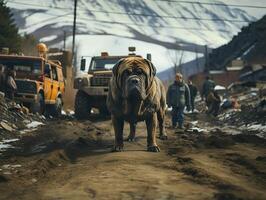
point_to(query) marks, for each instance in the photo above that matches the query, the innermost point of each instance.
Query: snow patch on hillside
(48, 38)
(112, 25)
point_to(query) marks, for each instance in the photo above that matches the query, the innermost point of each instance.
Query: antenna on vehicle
(132, 51)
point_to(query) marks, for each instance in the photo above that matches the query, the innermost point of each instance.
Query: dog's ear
(116, 66)
(152, 68)
(115, 72)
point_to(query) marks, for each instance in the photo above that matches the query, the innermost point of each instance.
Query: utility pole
(64, 45)
(74, 28)
(206, 59)
(197, 58)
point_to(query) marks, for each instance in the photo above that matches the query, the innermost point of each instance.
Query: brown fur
(150, 109)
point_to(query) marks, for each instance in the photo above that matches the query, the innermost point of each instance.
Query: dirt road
(68, 159)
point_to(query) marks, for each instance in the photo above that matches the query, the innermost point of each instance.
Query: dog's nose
(134, 81)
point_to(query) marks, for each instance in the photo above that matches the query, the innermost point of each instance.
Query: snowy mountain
(154, 26)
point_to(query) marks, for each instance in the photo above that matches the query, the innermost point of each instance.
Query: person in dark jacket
(193, 93)
(178, 96)
(207, 86)
(2, 78)
(214, 101)
(11, 85)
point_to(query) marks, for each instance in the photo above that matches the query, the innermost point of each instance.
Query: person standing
(2, 78)
(11, 85)
(214, 101)
(193, 93)
(178, 96)
(207, 86)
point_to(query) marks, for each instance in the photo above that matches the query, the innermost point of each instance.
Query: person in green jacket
(178, 96)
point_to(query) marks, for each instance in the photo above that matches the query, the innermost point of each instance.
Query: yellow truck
(40, 82)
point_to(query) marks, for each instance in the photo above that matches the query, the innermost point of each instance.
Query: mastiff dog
(136, 94)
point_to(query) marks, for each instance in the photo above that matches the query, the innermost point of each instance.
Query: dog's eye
(127, 72)
(138, 71)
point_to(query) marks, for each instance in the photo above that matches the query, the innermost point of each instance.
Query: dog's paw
(153, 149)
(130, 139)
(163, 137)
(118, 148)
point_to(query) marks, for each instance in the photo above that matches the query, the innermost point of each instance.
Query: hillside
(249, 45)
(157, 27)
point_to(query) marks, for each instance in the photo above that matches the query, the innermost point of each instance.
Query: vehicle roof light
(131, 49)
(104, 53)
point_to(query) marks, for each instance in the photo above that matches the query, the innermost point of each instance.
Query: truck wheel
(39, 106)
(55, 110)
(82, 105)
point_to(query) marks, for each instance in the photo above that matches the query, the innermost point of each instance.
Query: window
(60, 75)
(47, 70)
(103, 64)
(54, 73)
(23, 65)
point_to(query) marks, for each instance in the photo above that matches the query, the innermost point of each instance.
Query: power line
(144, 15)
(177, 1)
(215, 4)
(126, 23)
(48, 19)
(153, 26)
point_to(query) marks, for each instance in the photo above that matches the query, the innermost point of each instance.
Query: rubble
(251, 115)
(34, 124)
(14, 120)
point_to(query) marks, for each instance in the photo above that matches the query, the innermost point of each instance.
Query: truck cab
(93, 86)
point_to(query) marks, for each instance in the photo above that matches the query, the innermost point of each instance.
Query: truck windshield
(23, 68)
(103, 64)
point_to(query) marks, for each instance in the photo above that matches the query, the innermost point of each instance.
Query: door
(61, 80)
(55, 84)
(48, 83)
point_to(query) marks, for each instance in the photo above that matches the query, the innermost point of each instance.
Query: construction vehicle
(93, 86)
(40, 82)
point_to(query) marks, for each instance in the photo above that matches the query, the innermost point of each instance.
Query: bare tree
(176, 59)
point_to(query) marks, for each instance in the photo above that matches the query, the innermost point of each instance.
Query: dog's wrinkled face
(134, 76)
(135, 82)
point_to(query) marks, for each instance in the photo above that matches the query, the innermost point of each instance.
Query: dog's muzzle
(134, 88)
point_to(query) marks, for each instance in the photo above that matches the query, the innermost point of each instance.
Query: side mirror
(47, 69)
(83, 64)
(149, 56)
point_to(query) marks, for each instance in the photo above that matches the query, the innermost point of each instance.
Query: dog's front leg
(132, 133)
(118, 124)
(161, 117)
(151, 123)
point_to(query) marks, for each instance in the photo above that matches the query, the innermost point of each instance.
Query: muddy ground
(69, 159)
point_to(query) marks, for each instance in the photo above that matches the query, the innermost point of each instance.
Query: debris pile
(15, 117)
(251, 115)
